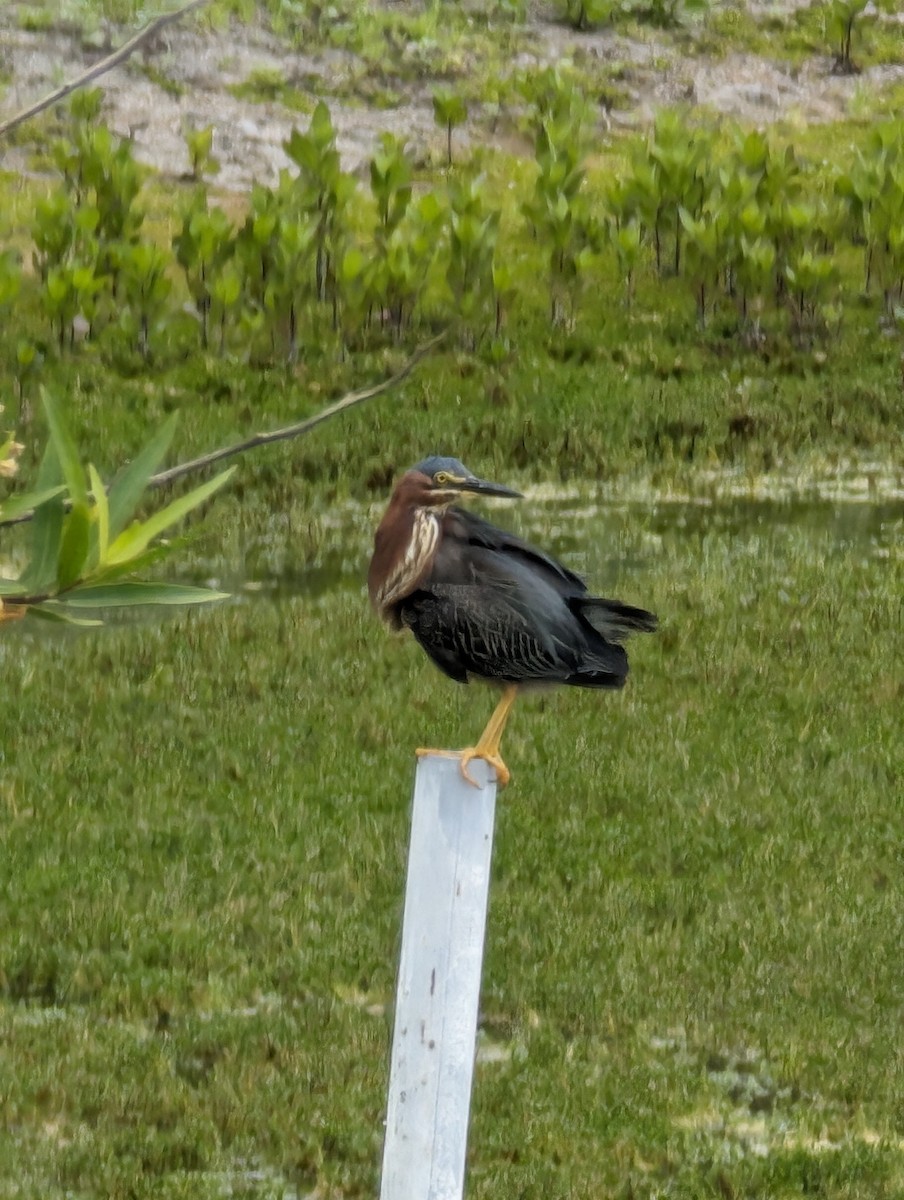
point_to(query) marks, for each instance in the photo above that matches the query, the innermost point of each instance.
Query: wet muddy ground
(184, 79)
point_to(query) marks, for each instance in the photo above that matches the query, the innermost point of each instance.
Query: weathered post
(438, 990)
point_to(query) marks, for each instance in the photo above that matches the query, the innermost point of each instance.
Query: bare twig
(101, 68)
(278, 435)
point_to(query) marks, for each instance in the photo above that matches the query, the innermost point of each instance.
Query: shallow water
(603, 540)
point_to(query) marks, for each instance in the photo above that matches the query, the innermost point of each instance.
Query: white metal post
(434, 1040)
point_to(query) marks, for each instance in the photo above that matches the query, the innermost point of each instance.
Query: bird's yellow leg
(487, 746)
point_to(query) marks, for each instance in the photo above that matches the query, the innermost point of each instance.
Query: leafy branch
(18, 510)
(84, 540)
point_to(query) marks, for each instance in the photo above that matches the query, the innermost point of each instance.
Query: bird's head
(438, 482)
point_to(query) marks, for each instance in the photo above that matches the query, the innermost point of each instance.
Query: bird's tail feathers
(614, 620)
(589, 678)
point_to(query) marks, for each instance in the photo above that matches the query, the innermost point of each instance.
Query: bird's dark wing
(495, 607)
(472, 631)
(510, 621)
(473, 549)
(463, 527)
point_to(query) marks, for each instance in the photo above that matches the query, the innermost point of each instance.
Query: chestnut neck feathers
(405, 544)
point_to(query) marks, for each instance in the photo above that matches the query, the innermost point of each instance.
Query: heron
(486, 605)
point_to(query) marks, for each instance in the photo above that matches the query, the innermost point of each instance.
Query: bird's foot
(503, 774)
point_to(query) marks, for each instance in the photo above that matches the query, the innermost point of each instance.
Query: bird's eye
(441, 477)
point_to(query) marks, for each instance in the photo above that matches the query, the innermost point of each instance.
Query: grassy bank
(692, 982)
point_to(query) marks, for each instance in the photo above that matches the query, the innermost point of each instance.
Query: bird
(486, 605)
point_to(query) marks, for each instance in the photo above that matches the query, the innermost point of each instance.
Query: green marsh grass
(692, 984)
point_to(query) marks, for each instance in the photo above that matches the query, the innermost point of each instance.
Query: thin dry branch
(279, 435)
(300, 427)
(101, 68)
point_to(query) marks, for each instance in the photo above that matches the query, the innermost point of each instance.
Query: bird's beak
(483, 487)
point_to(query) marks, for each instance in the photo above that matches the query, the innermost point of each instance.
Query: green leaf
(26, 501)
(46, 528)
(101, 513)
(353, 264)
(321, 127)
(108, 573)
(26, 353)
(11, 588)
(51, 612)
(129, 485)
(228, 287)
(67, 452)
(122, 595)
(138, 536)
(74, 546)
(448, 108)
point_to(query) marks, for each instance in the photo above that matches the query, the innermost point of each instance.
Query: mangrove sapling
(810, 278)
(390, 183)
(858, 189)
(872, 193)
(750, 183)
(225, 298)
(52, 231)
(53, 234)
(68, 153)
(389, 276)
(677, 155)
(27, 363)
(841, 20)
(201, 160)
(664, 14)
(627, 238)
(145, 290)
(99, 171)
(753, 271)
(289, 281)
(275, 255)
(10, 278)
(449, 111)
(704, 236)
(558, 212)
(353, 279)
(419, 243)
(204, 244)
(326, 192)
(473, 231)
(840, 25)
(585, 14)
(788, 216)
(71, 290)
(392, 273)
(554, 95)
(85, 231)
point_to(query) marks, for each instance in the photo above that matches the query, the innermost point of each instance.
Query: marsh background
(692, 985)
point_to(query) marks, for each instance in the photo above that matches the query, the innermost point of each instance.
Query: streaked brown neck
(404, 546)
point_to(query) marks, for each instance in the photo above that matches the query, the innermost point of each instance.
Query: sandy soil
(248, 135)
